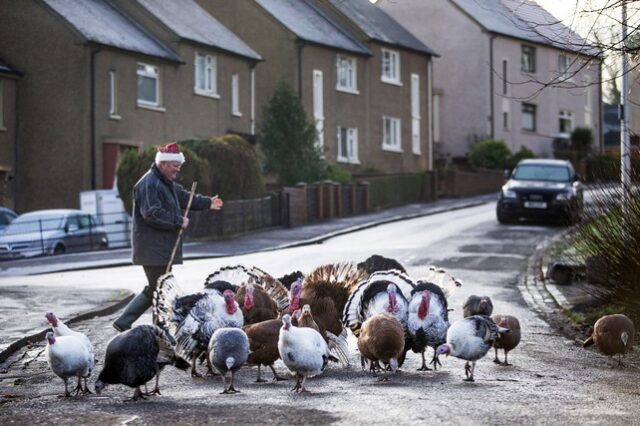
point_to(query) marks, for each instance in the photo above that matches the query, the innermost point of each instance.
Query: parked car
(47, 232)
(542, 190)
(6, 217)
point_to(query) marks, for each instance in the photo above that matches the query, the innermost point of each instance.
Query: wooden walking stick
(175, 247)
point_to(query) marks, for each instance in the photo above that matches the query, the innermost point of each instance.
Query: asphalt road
(552, 380)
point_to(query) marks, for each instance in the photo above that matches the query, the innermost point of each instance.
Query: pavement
(22, 308)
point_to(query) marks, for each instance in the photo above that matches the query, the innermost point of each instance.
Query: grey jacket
(157, 218)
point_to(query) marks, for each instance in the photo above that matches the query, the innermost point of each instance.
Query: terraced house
(102, 76)
(362, 77)
(496, 58)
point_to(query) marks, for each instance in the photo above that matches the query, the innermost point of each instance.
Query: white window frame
(436, 117)
(207, 83)
(587, 105)
(318, 105)
(347, 74)
(2, 126)
(351, 156)
(113, 96)
(505, 76)
(390, 63)
(235, 95)
(564, 64)
(152, 72)
(565, 115)
(415, 114)
(534, 112)
(391, 134)
(530, 66)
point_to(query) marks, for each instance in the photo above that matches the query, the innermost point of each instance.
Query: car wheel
(59, 249)
(503, 217)
(103, 245)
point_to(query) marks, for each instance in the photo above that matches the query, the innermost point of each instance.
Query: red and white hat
(169, 152)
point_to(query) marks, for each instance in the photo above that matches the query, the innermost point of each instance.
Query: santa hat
(170, 152)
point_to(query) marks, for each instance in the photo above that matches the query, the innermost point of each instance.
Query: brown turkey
(612, 335)
(506, 341)
(263, 344)
(381, 340)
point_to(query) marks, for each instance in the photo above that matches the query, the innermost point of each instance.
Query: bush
(603, 168)
(581, 141)
(234, 167)
(489, 154)
(288, 139)
(524, 153)
(337, 174)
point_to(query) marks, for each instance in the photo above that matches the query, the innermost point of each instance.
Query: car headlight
(564, 196)
(508, 193)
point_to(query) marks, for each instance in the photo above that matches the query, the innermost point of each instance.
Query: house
(356, 72)
(103, 76)
(8, 121)
(508, 70)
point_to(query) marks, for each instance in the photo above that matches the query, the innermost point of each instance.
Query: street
(552, 379)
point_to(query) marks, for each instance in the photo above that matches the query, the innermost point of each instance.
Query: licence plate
(535, 204)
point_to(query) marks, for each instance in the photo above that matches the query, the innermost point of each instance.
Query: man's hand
(185, 222)
(216, 203)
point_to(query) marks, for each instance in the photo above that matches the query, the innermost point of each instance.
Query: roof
(525, 20)
(99, 22)
(190, 22)
(5, 68)
(544, 162)
(378, 25)
(310, 24)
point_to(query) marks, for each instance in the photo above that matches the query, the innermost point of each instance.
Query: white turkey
(260, 296)
(442, 278)
(427, 321)
(470, 339)
(228, 351)
(68, 357)
(61, 329)
(137, 356)
(303, 351)
(192, 318)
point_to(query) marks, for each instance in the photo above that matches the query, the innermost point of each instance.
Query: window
(206, 77)
(505, 76)
(348, 145)
(563, 66)
(318, 105)
(529, 117)
(528, 58)
(148, 85)
(587, 105)
(390, 66)
(565, 123)
(2, 105)
(346, 74)
(415, 113)
(235, 95)
(113, 96)
(391, 134)
(505, 120)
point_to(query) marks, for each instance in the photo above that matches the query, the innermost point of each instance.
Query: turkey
(228, 351)
(427, 321)
(381, 339)
(68, 356)
(137, 356)
(477, 305)
(306, 319)
(383, 291)
(60, 329)
(259, 295)
(442, 278)
(326, 290)
(377, 263)
(506, 341)
(263, 344)
(289, 279)
(303, 351)
(192, 318)
(470, 339)
(612, 335)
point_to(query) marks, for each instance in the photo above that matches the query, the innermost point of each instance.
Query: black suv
(541, 189)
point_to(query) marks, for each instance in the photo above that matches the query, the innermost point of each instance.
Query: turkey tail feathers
(338, 345)
(237, 275)
(274, 288)
(167, 291)
(443, 279)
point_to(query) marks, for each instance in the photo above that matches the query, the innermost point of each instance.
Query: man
(157, 219)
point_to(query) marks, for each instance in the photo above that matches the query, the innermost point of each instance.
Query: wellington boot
(132, 312)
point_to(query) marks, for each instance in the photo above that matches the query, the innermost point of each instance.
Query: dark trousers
(152, 273)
